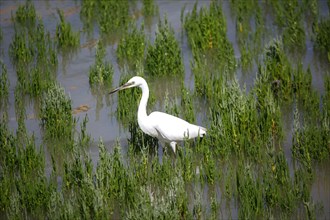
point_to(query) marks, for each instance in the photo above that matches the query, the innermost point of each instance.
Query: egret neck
(142, 111)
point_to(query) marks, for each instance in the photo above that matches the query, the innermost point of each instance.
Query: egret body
(167, 128)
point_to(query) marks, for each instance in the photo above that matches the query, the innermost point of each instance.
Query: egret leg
(173, 145)
(160, 153)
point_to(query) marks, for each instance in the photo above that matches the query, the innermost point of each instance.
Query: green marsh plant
(33, 53)
(26, 14)
(24, 186)
(110, 16)
(56, 113)
(65, 37)
(113, 15)
(279, 70)
(4, 84)
(321, 39)
(288, 16)
(102, 71)
(249, 37)
(164, 56)
(206, 30)
(131, 48)
(149, 8)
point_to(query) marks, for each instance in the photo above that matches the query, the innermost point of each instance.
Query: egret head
(133, 82)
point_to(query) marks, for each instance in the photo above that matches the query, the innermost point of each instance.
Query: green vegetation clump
(131, 47)
(213, 54)
(26, 14)
(322, 33)
(311, 131)
(250, 29)
(278, 69)
(19, 49)
(113, 15)
(55, 113)
(286, 82)
(101, 72)
(65, 37)
(109, 15)
(206, 31)
(4, 84)
(149, 8)
(288, 15)
(187, 105)
(25, 192)
(32, 52)
(164, 57)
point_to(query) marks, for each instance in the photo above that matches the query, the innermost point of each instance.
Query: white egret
(167, 128)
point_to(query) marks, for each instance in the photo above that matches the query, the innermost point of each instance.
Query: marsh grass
(32, 52)
(102, 71)
(24, 186)
(4, 85)
(322, 42)
(164, 56)
(110, 16)
(250, 29)
(131, 48)
(26, 14)
(213, 55)
(149, 8)
(206, 30)
(55, 113)
(288, 17)
(65, 37)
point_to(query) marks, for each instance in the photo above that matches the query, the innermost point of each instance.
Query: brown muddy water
(73, 72)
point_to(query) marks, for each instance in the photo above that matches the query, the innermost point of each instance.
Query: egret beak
(125, 86)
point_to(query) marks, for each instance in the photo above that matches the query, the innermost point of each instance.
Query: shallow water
(73, 76)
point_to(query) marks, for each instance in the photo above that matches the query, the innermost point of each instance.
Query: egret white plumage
(167, 128)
